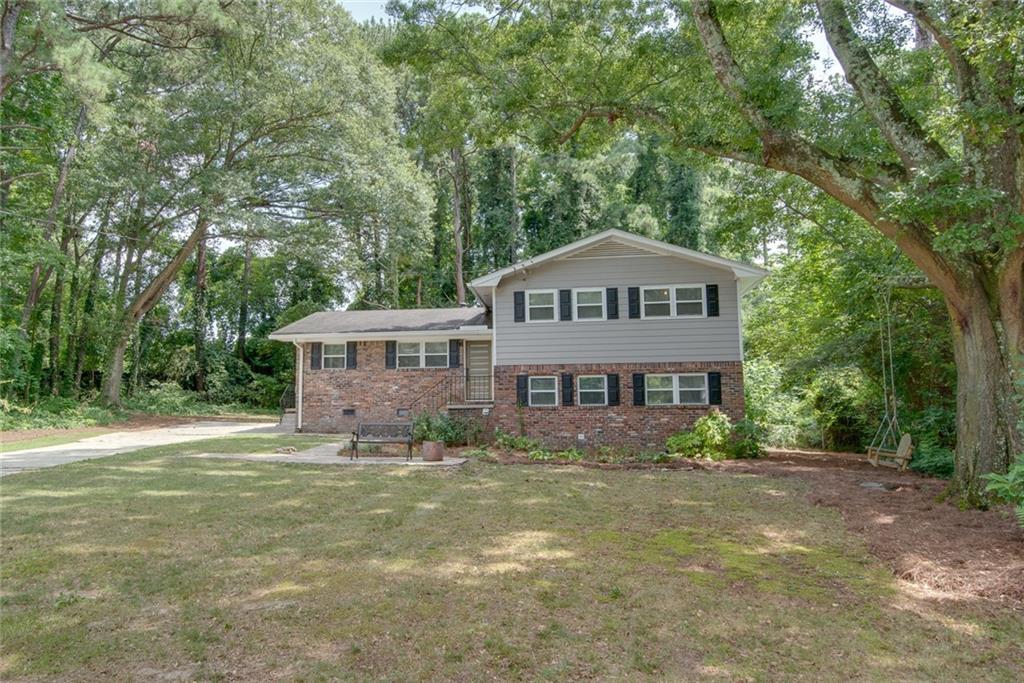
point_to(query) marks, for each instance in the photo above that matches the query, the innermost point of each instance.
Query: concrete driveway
(123, 442)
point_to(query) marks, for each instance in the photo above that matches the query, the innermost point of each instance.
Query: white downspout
(300, 364)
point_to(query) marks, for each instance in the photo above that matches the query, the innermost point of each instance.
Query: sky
(361, 10)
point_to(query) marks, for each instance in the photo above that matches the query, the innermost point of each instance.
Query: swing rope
(889, 433)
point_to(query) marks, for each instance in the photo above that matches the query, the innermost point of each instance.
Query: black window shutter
(519, 306)
(639, 398)
(565, 304)
(611, 302)
(316, 352)
(389, 353)
(715, 388)
(712, 293)
(634, 302)
(522, 397)
(613, 390)
(454, 345)
(350, 355)
(567, 389)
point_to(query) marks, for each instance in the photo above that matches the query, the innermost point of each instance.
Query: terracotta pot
(432, 451)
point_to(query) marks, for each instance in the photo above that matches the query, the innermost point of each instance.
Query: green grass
(151, 565)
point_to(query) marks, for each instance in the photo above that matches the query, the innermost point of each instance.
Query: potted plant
(431, 440)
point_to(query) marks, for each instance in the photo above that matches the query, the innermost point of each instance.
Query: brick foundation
(644, 427)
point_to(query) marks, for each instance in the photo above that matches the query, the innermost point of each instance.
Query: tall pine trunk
(458, 206)
(199, 320)
(243, 306)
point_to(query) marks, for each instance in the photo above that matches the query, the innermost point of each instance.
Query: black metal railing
(287, 401)
(454, 389)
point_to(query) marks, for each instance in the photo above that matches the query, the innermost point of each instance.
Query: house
(615, 339)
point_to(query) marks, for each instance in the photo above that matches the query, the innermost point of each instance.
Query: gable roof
(367, 323)
(614, 242)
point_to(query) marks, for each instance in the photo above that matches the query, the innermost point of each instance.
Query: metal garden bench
(382, 432)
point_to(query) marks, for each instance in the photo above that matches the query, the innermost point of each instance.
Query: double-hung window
(334, 356)
(543, 391)
(588, 304)
(422, 354)
(673, 301)
(666, 390)
(592, 390)
(540, 306)
(689, 300)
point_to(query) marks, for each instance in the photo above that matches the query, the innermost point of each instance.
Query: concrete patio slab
(124, 442)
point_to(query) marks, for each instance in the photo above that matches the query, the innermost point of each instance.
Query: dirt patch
(516, 459)
(962, 554)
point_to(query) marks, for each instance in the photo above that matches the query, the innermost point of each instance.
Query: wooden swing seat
(898, 459)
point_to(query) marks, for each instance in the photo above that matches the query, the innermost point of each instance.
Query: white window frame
(554, 305)
(421, 354)
(579, 391)
(343, 355)
(676, 389)
(529, 391)
(672, 301)
(576, 304)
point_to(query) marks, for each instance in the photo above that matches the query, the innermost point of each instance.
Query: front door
(478, 371)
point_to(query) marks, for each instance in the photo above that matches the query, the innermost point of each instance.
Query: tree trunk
(199, 321)
(40, 274)
(457, 224)
(142, 304)
(56, 309)
(243, 306)
(988, 435)
(87, 330)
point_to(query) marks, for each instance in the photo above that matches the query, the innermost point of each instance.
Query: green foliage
(452, 431)
(510, 442)
(55, 413)
(709, 438)
(168, 398)
(1009, 488)
(715, 437)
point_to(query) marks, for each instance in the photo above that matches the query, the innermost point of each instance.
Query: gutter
(301, 364)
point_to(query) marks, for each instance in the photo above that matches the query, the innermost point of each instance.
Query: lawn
(158, 566)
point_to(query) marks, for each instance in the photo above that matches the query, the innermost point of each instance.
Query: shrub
(746, 439)
(453, 431)
(708, 439)
(540, 454)
(572, 455)
(716, 438)
(684, 443)
(1009, 488)
(509, 442)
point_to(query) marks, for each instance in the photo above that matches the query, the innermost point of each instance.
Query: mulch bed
(954, 554)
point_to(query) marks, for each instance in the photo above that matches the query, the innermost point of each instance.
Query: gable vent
(610, 248)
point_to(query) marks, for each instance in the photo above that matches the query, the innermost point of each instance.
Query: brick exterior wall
(374, 391)
(644, 427)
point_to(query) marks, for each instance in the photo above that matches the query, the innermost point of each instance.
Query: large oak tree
(921, 138)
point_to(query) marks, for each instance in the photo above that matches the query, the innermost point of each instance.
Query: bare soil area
(961, 554)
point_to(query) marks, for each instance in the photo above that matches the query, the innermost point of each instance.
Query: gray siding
(624, 340)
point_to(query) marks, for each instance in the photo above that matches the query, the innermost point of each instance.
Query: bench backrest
(903, 450)
(385, 430)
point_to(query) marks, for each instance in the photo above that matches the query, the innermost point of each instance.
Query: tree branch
(904, 134)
